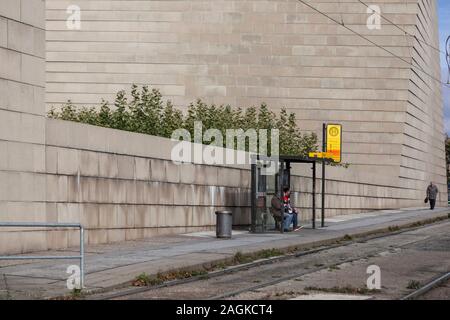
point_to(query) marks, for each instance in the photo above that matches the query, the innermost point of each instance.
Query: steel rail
(261, 262)
(428, 287)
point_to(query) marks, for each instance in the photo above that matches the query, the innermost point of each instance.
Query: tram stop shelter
(268, 177)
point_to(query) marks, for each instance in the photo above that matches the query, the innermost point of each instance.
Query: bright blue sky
(444, 30)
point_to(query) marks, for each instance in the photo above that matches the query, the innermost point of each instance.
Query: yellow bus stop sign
(334, 142)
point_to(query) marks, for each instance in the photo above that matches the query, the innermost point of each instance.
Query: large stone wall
(124, 186)
(285, 54)
(22, 120)
(422, 154)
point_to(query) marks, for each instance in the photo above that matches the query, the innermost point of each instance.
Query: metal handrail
(49, 225)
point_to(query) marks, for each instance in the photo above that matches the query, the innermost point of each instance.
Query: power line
(446, 54)
(403, 30)
(372, 42)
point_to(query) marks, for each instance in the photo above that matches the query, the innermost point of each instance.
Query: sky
(444, 32)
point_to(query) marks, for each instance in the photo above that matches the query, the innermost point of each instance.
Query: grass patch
(240, 258)
(413, 284)
(75, 294)
(269, 253)
(343, 290)
(417, 224)
(281, 294)
(317, 265)
(347, 238)
(334, 267)
(144, 279)
(220, 265)
(182, 274)
(394, 228)
(428, 221)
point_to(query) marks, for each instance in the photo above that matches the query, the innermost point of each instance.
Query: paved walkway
(112, 265)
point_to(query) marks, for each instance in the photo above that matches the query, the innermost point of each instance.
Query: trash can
(224, 223)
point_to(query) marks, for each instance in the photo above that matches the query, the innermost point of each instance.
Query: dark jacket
(432, 192)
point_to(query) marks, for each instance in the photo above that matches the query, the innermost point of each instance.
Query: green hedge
(147, 112)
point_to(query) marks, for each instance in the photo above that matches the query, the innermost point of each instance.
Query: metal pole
(280, 179)
(324, 149)
(82, 257)
(39, 257)
(253, 197)
(39, 224)
(288, 172)
(323, 195)
(314, 196)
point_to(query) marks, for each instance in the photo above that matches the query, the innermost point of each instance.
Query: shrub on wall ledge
(147, 112)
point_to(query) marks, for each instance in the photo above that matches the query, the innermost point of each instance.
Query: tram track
(428, 287)
(243, 267)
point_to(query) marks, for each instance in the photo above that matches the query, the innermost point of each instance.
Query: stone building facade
(123, 186)
(282, 52)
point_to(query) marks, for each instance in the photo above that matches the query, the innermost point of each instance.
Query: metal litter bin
(224, 223)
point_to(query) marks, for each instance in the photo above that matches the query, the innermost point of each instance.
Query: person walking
(432, 192)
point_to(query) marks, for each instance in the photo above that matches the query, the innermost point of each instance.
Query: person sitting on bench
(291, 214)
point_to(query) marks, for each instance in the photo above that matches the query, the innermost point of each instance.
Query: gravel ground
(406, 260)
(439, 293)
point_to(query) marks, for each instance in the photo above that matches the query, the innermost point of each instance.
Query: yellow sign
(334, 142)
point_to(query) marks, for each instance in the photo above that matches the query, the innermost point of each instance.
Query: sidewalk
(112, 265)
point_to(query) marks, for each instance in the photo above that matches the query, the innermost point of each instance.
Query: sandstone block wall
(22, 121)
(283, 53)
(122, 185)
